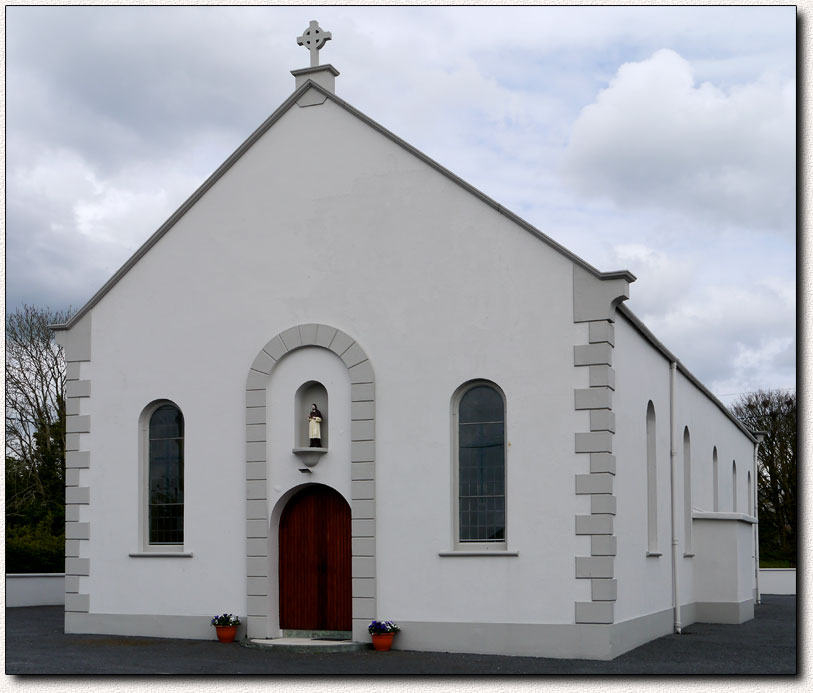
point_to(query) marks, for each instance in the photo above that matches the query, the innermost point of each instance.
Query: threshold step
(318, 634)
(305, 645)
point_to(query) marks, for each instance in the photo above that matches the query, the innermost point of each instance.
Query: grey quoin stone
(594, 612)
(593, 398)
(592, 355)
(77, 602)
(594, 483)
(603, 545)
(594, 566)
(602, 420)
(602, 462)
(77, 495)
(602, 375)
(594, 524)
(77, 566)
(602, 504)
(77, 388)
(596, 298)
(77, 424)
(601, 331)
(599, 441)
(603, 590)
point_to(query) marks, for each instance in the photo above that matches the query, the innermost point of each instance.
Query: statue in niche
(314, 427)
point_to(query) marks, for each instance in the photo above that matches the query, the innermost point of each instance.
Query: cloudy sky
(659, 140)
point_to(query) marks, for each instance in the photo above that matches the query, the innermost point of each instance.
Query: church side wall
(644, 582)
(438, 288)
(642, 375)
(709, 428)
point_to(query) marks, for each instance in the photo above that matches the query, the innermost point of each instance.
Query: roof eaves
(625, 274)
(647, 333)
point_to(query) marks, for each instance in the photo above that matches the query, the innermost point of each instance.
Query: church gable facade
(504, 452)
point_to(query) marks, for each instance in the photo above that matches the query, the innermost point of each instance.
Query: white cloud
(734, 338)
(654, 137)
(116, 114)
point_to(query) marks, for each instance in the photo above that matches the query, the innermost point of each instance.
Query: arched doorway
(315, 585)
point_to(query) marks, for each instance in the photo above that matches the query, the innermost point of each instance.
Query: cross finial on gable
(313, 38)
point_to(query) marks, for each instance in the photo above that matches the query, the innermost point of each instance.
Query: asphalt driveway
(36, 645)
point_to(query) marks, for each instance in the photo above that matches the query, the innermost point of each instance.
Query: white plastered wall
(642, 374)
(324, 221)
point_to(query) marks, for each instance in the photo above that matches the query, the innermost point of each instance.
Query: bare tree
(35, 417)
(774, 411)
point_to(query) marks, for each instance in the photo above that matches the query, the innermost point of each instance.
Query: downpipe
(754, 500)
(672, 471)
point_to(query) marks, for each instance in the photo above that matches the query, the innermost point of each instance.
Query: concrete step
(308, 645)
(318, 634)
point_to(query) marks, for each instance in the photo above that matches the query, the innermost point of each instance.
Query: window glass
(166, 476)
(481, 465)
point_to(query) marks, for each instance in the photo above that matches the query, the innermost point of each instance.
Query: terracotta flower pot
(226, 633)
(382, 641)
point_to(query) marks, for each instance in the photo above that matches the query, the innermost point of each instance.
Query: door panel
(315, 561)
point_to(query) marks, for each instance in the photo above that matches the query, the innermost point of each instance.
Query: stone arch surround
(362, 469)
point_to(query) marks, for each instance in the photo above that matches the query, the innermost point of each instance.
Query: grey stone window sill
(688, 555)
(653, 554)
(160, 554)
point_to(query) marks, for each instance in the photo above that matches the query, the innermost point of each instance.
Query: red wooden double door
(315, 583)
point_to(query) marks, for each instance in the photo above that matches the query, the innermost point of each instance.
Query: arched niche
(310, 392)
(261, 567)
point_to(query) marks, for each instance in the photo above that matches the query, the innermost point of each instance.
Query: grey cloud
(726, 335)
(119, 83)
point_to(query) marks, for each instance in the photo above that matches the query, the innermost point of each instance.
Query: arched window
(715, 481)
(479, 434)
(687, 492)
(651, 481)
(734, 486)
(165, 476)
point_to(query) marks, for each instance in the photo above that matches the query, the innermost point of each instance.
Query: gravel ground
(36, 645)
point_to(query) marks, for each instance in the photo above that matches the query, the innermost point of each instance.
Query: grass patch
(770, 563)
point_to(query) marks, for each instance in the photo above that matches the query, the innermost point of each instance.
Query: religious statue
(314, 427)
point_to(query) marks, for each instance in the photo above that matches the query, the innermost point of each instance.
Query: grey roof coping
(647, 333)
(318, 68)
(259, 132)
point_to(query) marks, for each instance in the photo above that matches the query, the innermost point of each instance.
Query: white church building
(509, 461)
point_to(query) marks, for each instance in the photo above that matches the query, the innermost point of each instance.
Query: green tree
(774, 411)
(35, 437)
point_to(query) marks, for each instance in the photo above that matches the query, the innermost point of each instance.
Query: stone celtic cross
(313, 38)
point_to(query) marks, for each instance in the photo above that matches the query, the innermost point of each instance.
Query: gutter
(647, 334)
